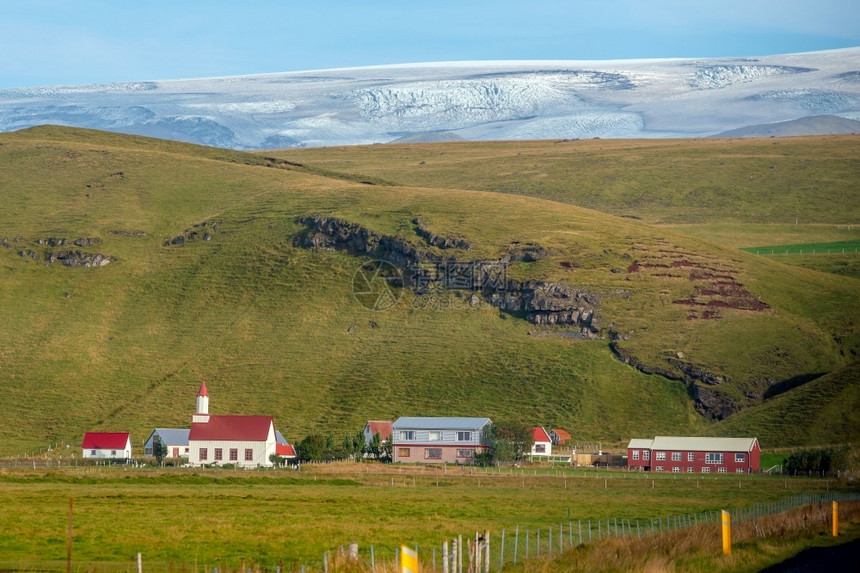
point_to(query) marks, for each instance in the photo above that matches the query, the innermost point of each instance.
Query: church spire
(202, 414)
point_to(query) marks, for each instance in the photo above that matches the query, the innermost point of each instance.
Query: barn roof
(440, 423)
(235, 428)
(105, 440)
(382, 428)
(640, 444)
(562, 434)
(696, 444)
(540, 435)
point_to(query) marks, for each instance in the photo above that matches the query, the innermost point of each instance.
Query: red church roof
(285, 450)
(105, 440)
(383, 428)
(233, 428)
(540, 435)
(202, 391)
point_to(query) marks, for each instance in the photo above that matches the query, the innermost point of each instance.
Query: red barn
(695, 455)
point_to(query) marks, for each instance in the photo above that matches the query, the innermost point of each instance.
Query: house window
(113, 452)
(713, 458)
(740, 471)
(219, 454)
(740, 457)
(464, 436)
(407, 435)
(646, 454)
(661, 456)
(676, 469)
(435, 436)
(658, 469)
(676, 456)
(722, 470)
(204, 454)
(433, 453)
(690, 456)
(403, 452)
(635, 454)
(186, 450)
(249, 455)
(689, 469)
(706, 470)
(540, 448)
(234, 454)
(92, 452)
(465, 453)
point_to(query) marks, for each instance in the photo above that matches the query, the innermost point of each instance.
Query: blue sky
(46, 42)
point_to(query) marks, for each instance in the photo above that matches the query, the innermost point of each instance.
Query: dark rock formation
(439, 241)
(196, 233)
(87, 242)
(73, 259)
(540, 302)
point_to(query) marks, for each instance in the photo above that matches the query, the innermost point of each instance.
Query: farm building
(244, 441)
(374, 427)
(438, 440)
(175, 439)
(542, 445)
(107, 445)
(559, 437)
(695, 455)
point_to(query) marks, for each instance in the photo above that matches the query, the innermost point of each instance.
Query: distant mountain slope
(475, 100)
(131, 268)
(812, 125)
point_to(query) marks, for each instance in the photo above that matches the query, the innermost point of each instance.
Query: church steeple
(202, 414)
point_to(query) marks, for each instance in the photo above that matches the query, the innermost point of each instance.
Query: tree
(353, 445)
(276, 459)
(312, 449)
(159, 450)
(374, 448)
(509, 441)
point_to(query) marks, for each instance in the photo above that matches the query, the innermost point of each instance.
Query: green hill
(209, 277)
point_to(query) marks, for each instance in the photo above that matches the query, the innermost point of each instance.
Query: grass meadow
(199, 519)
(275, 329)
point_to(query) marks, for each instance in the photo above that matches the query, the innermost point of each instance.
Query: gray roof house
(176, 440)
(438, 440)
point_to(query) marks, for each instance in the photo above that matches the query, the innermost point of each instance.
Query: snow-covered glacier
(473, 100)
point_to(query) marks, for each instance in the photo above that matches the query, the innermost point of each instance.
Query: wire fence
(478, 552)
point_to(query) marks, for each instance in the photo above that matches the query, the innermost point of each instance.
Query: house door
(175, 452)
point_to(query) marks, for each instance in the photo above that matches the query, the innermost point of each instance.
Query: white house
(542, 442)
(107, 445)
(244, 441)
(175, 439)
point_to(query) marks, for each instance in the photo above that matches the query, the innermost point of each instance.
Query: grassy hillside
(275, 329)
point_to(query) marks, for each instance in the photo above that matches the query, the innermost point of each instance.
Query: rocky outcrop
(709, 402)
(546, 303)
(73, 259)
(198, 232)
(439, 241)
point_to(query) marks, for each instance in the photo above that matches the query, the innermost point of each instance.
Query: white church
(244, 441)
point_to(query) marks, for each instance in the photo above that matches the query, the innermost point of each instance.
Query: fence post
(580, 531)
(516, 542)
(502, 551)
(835, 519)
(486, 551)
(445, 557)
(727, 532)
(460, 553)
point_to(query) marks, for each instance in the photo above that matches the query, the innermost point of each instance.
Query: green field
(205, 518)
(275, 329)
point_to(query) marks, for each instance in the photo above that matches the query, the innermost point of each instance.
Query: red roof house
(542, 442)
(374, 427)
(559, 436)
(285, 451)
(107, 445)
(695, 455)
